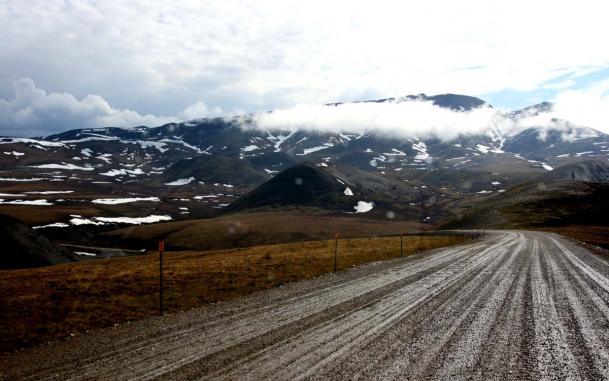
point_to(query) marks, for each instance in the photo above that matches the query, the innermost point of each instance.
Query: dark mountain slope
(543, 203)
(567, 141)
(301, 185)
(572, 194)
(342, 189)
(23, 247)
(457, 101)
(215, 169)
(596, 171)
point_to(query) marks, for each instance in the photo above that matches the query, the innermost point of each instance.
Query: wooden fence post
(161, 249)
(335, 250)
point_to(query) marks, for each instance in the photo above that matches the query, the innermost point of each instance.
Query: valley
(483, 310)
(249, 216)
(57, 302)
(200, 169)
(317, 190)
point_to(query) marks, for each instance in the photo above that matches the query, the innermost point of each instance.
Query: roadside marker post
(161, 249)
(402, 245)
(335, 249)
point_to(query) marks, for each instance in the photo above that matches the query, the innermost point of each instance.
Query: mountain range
(207, 167)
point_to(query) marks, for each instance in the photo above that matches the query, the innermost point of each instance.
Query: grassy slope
(574, 209)
(47, 303)
(244, 230)
(595, 235)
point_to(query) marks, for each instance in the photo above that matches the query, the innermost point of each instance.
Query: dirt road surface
(516, 305)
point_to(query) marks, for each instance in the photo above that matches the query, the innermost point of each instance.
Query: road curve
(517, 305)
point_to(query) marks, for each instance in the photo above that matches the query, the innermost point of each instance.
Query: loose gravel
(516, 305)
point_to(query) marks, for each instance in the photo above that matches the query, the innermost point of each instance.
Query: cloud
(401, 119)
(423, 119)
(159, 56)
(34, 112)
(585, 107)
(199, 110)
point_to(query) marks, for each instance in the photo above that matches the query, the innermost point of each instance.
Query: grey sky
(71, 64)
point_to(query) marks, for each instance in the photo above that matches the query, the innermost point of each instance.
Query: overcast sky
(73, 64)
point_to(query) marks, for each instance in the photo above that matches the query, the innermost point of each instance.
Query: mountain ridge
(198, 168)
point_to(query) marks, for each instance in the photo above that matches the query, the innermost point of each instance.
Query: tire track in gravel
(506, 343)
(188, 348)
(454, 347)
(550, 333)
(480, 346)
(582, 315)
(402, 347)
(338, 335)
(517, 305)
(224, 360)
(252, 321)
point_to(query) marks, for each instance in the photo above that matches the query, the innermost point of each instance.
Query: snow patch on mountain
(278, 140)
(32, 179)
(79, 220)
(307, 151)
(54, 225)
(123, 172)
(249, 148)
(26, 202)
(346, 137)
(206, 150)
(183, 143)
(363, 206)
(395, 152)
(421, 148)
(181, 182)
(14, 153)
(498, 135)
(31, 141)
(485, 149)
(117, 201)
(134, 220)
(161, 147)
(105, 157)
(62, 166)
(50, 192)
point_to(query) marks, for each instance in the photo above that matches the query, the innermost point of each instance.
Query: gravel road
(516, 305)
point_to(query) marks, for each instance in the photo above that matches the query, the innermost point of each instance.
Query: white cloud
(585, 107)
(159, 56)
(35, 112)
(39, 113)
(199, 110)
(405, 119)
(422, 119)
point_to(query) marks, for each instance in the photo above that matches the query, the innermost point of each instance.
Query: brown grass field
(254, 229)
(594, 235)
(44, 304)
